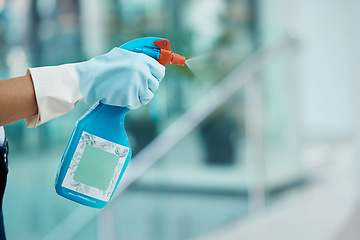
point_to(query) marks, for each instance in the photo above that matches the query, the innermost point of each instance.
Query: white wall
(328, 66)
(328, 62)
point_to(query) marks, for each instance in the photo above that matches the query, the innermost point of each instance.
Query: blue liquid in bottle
(95, 158)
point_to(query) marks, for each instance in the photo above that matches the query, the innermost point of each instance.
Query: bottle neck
(103, 112)
(112, 111)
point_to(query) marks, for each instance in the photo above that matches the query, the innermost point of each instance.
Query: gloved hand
(119, 77)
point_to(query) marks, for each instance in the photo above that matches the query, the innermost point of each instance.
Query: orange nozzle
(165, 53)
(177, 59)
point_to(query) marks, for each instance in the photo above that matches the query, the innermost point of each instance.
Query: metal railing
(177, 131)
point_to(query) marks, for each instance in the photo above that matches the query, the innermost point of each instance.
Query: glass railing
(189, 181)
(232, 147)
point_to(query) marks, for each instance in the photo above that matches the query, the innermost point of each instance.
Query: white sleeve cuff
(56, 89)
(2, 136)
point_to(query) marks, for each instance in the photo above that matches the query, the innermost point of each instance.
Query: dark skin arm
(17, 99)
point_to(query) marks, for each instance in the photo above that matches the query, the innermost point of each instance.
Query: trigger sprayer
(98, 150)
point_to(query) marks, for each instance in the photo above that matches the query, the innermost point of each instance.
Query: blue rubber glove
(120, 78)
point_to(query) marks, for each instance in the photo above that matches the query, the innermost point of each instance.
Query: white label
(96, 166)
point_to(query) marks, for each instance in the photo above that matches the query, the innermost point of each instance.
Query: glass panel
(201, 184)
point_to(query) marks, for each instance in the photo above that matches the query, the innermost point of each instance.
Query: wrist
(56, 90)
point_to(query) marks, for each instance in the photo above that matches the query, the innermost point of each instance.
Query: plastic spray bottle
(98, 151)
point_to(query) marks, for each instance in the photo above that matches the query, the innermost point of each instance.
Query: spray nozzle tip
(177, 59)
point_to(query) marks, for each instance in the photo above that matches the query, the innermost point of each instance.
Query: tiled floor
(351, 231)
(321, 210)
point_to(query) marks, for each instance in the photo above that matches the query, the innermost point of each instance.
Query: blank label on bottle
(95, 167)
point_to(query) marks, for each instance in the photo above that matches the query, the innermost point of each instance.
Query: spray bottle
(98, 151)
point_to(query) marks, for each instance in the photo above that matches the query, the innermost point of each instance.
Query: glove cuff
(2, 136)
(56, 89)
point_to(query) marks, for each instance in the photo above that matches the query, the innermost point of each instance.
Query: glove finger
(157, 70)
(153, 84)
(145, 97)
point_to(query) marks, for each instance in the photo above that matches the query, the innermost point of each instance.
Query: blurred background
(256, 138)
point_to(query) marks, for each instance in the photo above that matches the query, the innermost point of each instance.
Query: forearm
(119, 77)
(17, 99)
